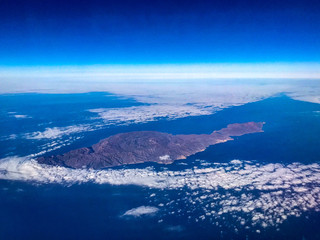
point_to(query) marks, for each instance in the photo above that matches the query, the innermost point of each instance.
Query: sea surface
(89, 210)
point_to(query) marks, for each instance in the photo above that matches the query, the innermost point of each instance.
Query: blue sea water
(46, 111)
(93, 211)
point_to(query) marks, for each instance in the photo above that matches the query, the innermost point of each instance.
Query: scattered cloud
(10, 137)
(57, 132)
(254, 194)
(140, 114)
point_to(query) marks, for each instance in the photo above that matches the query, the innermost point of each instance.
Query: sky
(133, 32)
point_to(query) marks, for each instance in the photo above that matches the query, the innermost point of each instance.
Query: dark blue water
(47, 111)
(91, 211)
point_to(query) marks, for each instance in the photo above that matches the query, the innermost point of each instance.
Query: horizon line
(273, 70)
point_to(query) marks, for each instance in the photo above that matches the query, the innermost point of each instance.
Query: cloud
(167, 72)
(18, 116)
(21, 116)
(53, 145)
(169, 100)
(201, 84)
(140, 114)
(162, 83)
(253, 194)
(141, 211)
(55, 137)
(10, 137)
(58, 132)
(164, 157)
(173, 100)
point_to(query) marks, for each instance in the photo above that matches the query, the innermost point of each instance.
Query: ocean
(174, 210)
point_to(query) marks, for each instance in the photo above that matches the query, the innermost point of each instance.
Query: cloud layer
(166, 72)
(141, 114)
(253, 194)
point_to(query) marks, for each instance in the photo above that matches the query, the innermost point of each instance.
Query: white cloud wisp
(141, 211)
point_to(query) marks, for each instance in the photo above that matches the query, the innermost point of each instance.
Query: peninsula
(146, 146)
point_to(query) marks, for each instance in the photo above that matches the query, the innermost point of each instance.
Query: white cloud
(18, 116)
(166, 72)
(10, 137)
(139, 114)
(164, 157)
(254, 194)
(305, 92)
(160, 82)
(173, 100)
(21, 116)
(141, 211)
(202, 84)
(57, 132)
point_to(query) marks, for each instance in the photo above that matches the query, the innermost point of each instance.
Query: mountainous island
(146, 146)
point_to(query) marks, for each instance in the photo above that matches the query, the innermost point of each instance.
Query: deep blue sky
(54, 32)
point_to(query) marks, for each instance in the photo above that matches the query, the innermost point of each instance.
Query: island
(146, 146)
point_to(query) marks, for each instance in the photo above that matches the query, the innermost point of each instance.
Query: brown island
(146, 146)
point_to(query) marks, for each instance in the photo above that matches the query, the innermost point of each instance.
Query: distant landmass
(146, 146)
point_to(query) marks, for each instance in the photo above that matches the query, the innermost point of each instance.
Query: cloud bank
(253, 194)
(142, 114)
(132, 80)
